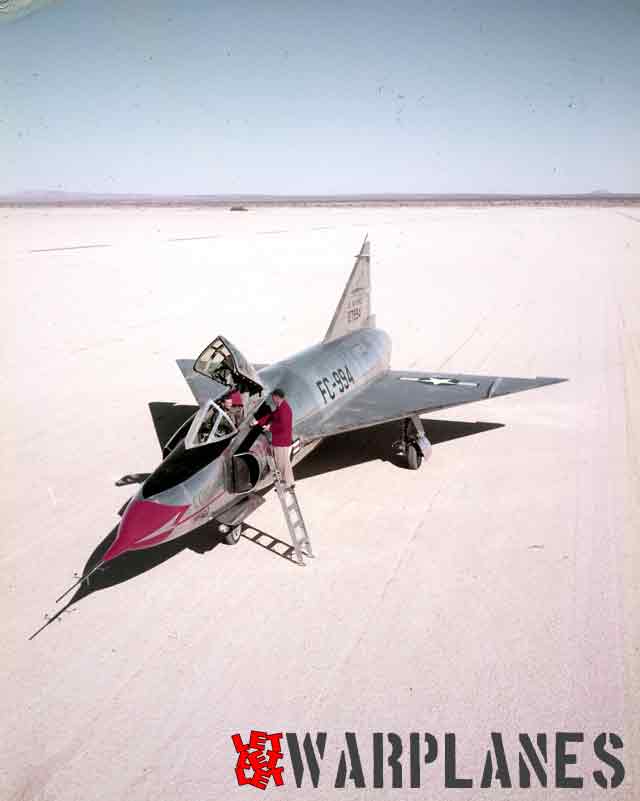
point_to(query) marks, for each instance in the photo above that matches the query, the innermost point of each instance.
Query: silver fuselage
(316, 381)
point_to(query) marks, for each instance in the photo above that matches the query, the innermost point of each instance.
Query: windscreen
(209, 425)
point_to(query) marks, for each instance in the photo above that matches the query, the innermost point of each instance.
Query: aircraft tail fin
(354, 310)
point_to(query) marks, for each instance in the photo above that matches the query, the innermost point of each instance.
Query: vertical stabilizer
(354, 310)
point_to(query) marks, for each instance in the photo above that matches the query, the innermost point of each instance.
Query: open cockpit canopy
(223, 362)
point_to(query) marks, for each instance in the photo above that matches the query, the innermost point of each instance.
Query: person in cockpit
(207, 424)
(234, 407)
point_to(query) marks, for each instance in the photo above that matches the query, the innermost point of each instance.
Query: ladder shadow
(268, 542)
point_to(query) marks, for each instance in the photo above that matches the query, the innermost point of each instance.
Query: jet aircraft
(216, 469)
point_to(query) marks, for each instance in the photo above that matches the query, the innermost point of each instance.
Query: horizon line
(45, 195)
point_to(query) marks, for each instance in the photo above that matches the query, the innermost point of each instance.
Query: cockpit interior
(210, 424)
(224, 363)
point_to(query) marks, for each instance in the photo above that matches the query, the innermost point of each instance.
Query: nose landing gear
(414, 445)
(231, 536)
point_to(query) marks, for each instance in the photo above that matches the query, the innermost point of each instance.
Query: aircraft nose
(143, 524)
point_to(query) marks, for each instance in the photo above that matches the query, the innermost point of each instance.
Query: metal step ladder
(292, 514)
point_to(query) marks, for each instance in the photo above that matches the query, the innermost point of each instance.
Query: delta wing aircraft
(217, 469)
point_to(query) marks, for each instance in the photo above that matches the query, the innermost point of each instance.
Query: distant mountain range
(56, 197)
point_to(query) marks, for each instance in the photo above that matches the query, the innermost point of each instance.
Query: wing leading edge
(400, 393)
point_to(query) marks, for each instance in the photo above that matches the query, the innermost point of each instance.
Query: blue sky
(323, 97)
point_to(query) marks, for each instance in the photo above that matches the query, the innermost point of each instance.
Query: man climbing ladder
(280, 422)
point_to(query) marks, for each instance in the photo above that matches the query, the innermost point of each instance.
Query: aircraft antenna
(51, 619)
(79, 581)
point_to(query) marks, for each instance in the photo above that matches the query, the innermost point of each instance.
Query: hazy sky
(329, 96)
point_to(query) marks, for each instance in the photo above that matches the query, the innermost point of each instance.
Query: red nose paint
(143, 524)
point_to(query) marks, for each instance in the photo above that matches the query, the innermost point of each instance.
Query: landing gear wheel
(414, 457)
(233, 537)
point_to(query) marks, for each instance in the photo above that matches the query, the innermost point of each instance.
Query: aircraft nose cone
(144, 523)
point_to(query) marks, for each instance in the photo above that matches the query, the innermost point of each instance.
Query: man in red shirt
(280, 421)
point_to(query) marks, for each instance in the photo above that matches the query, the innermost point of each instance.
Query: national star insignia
(439, 381)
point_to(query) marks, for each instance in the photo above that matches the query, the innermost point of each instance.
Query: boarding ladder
(292, 514)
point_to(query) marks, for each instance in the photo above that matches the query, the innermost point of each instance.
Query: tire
(414, 457)
(233, 537)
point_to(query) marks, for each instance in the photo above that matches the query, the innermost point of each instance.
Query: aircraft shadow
(132, 563)
(268, 542)
(336, 453)
(168, 417)
(369, 444)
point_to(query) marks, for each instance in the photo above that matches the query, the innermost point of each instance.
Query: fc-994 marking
(340, 380)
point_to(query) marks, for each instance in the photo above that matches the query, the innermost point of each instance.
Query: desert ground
(494, 590)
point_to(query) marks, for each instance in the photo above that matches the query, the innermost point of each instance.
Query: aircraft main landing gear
(414, 456)
(414, 445)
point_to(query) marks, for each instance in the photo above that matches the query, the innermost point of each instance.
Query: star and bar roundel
(437, 382)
